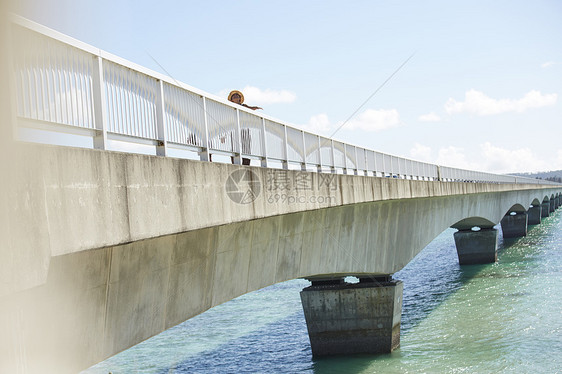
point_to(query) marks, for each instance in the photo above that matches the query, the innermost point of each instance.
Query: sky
(470, 84)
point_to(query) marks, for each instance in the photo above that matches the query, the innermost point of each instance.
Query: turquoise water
(498, 318)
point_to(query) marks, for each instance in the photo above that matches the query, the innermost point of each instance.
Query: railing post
(411, 170)
(333, 165)
(264, 144)
(286, 148)
(237, 155)
(205, 155)
(303, 165)
(162, 147)
(356, 172)
(345, 159)
(408, 167)
(365, 162)
(319, 154)
(100, 109)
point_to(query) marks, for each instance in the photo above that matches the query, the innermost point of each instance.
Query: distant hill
(555, 175)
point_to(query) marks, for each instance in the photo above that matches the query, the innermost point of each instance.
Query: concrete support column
(476, 247)
(545, 209)
(353, 318)
(514, 226)
(534, 215)
(556, 202)
(552, 209)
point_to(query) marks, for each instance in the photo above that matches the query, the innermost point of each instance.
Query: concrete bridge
(106, 249)
(103, 249)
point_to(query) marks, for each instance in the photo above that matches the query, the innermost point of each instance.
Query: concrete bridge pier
(534, 215)
(514, 224)
(545, 209)
(345, 318)
(552, 208)
(477, 247)
(556, 202)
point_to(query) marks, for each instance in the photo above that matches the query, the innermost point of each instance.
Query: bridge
(103, 249)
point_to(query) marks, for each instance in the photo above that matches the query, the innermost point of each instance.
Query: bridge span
(102, 249)
(107, 249)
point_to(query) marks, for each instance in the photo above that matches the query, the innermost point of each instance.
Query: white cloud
(478, 103)
(257, 96)
(447, 156)
(375, 120)
(548, 64)
(455, 157)
(501, 160)
(421, 153)
(369, 120)
(430, 117)
(319, 124)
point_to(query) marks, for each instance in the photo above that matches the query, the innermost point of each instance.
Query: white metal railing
(67, 86)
